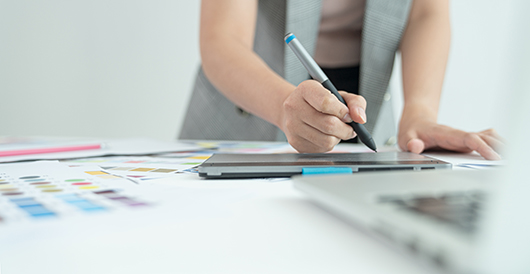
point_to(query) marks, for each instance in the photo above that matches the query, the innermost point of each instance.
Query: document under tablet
(289, 164)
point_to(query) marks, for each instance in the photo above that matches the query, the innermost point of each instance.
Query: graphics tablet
(289, 164)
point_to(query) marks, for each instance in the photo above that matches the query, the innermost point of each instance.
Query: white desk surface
(228, 226)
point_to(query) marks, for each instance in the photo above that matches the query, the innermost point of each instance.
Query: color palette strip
(115, 196)
(52, 189)
(80, 203)
(32, 207)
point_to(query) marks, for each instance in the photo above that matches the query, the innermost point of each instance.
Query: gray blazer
(211, 116)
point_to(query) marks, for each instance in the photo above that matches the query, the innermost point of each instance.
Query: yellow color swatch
(143, 169)
(52, 190)
(199, 157)
(207, 144)
(8, 189)
(88, 187)
(45, 186)
(95, 172)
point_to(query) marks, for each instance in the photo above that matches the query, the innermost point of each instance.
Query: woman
(250, 86)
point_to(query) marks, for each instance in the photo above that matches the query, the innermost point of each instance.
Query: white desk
(230, 226)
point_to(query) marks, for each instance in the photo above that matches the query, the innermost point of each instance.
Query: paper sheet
(52, 190)
(142, 168)
(465, 160)
(133, 146)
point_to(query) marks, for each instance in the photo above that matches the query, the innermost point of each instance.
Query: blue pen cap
(289, 37)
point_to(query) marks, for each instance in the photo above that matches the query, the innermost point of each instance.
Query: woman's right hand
(314, 120)
(310, 116)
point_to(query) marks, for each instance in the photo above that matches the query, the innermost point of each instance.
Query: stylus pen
(316, 73)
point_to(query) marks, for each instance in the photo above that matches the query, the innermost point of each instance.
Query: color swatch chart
(143, 168)
(47, 189)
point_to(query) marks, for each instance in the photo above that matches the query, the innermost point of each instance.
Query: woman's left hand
(417, 135)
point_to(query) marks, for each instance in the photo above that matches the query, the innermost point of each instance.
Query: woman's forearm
(227, 33)
(425, 49)
(254, 88)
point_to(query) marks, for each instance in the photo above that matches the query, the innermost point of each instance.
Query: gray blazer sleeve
(210, 116)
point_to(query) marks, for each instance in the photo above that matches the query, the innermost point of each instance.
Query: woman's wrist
(419, 111)
(279, 118)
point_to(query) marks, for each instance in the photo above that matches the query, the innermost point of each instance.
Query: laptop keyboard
(458, 209)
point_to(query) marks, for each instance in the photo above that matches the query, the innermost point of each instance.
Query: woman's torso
(339, 37)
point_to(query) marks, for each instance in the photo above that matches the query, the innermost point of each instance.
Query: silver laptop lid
(504, 242)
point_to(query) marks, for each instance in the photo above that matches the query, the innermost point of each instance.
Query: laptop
(460, 221)
(288, 164)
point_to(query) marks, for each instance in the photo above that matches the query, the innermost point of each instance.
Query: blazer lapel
(303, 20)
(383, 27)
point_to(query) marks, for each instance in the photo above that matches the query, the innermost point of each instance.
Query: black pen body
(361, 131)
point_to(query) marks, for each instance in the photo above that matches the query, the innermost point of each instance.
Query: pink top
(339, 37)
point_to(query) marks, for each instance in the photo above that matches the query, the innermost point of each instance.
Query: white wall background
(96, 68)
(125, 68)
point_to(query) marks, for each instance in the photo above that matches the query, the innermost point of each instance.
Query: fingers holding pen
(311, 140)
(356, 105)
(355, 111)
(322, 100)
(314, 119)
(326, 113)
